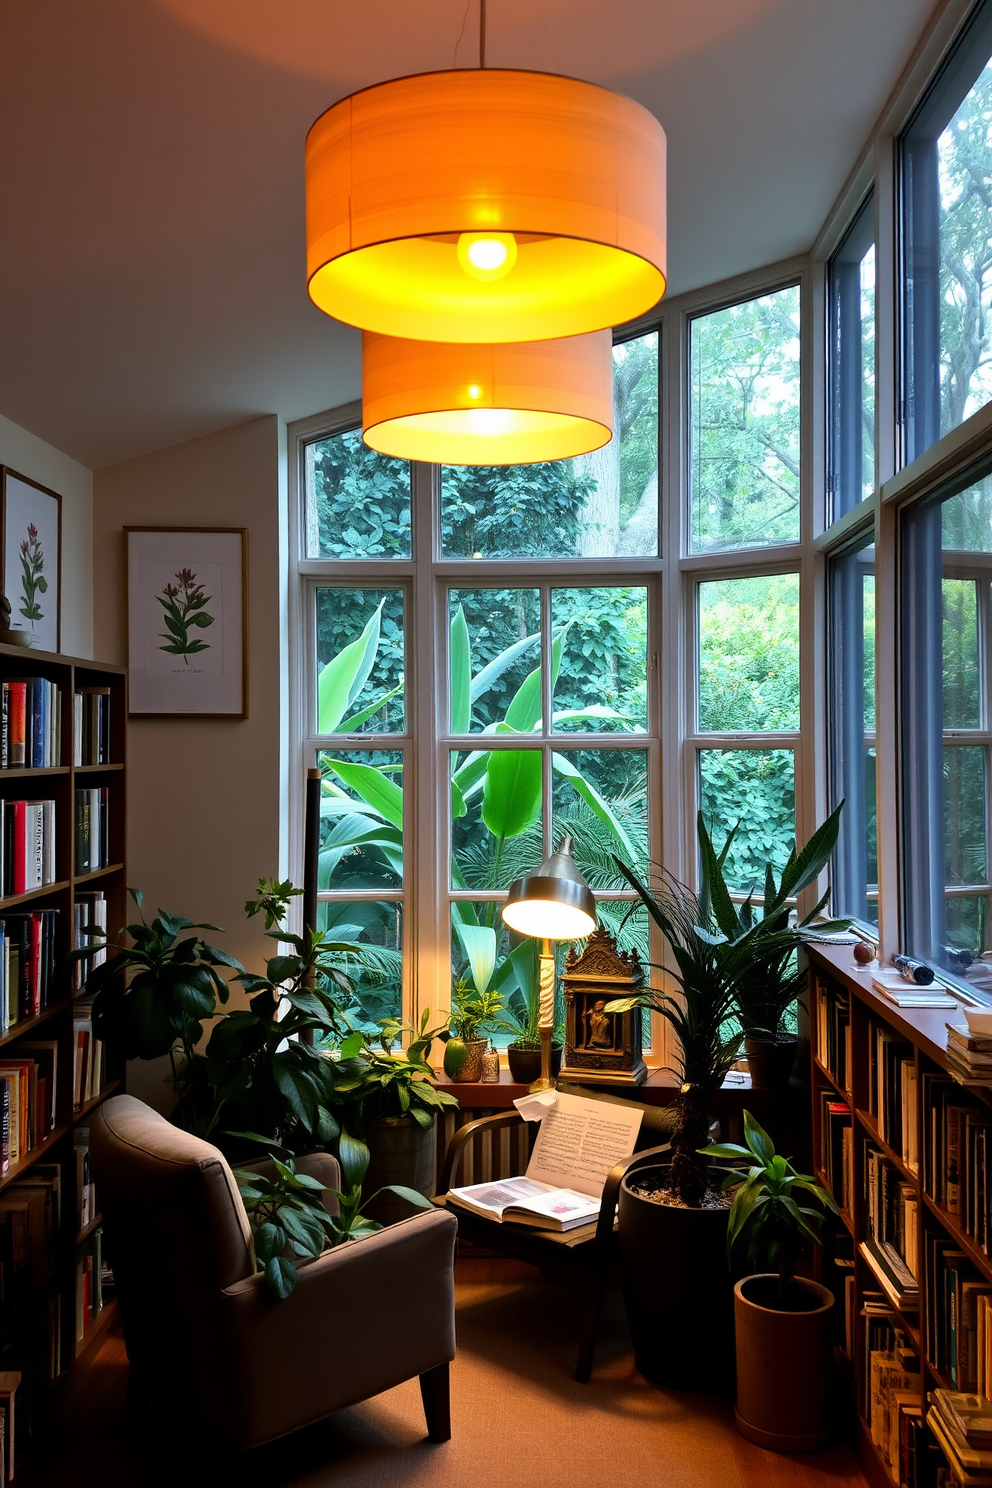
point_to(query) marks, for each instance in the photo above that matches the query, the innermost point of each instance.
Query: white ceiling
(151, 174)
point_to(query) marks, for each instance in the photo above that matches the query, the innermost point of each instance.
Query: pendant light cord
(482, 33)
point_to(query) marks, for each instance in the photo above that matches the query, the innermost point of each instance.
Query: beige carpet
(518, 1421)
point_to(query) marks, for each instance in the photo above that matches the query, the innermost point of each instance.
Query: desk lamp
(555, 903)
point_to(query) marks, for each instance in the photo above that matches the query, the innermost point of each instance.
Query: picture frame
(31, 558)
(186, 605)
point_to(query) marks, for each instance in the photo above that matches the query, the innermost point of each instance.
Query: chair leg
(589, 1327)
(434, 1391)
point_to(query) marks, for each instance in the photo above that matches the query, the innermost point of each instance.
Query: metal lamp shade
(555, 903)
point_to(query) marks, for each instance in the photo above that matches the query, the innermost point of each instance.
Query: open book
(579, 1143)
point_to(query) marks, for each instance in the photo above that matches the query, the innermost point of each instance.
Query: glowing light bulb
(489, 420)
(487, 255)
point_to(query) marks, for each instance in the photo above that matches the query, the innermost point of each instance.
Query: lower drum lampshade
(517, 403)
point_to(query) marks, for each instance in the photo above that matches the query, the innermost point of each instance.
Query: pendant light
(454, 404)
(485, 205)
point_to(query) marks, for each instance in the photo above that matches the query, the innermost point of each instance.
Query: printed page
(580, 1141)
(496, 1197)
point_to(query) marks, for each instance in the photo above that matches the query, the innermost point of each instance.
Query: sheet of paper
(536, 1107)
(580, 1141)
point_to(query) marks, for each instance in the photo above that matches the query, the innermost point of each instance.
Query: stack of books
(892, 1386)
(29, 950)
(92, 829)
(92, 726)
(27, 846)
(969, 1056)
(892, 1244)
(896, 989)
(962, 1424)
(28, 1083)
(30, 724)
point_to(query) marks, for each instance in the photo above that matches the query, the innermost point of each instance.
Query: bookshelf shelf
(38, 1339)
(870, 1125)
(822, 1070)
(974, 1252)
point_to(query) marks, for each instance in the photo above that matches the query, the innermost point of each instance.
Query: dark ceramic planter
(784, 1366)
(771, 1061)
(525, 1064)
(401, 1152)
(678, 1292)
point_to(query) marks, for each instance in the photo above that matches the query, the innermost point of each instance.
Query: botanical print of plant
(183, 603)
(33, 581)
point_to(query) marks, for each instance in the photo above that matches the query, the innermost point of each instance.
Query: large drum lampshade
(484, 206)
(452, 404)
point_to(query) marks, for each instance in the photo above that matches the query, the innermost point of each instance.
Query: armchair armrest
(464, 1134)
(611, 1191)
(362, 1318)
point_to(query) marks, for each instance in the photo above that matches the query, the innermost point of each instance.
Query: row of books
(27, 846)
(893, 1395)
(833, 1031)
(30, 946)
(30, 1216)
(962, 1424)
(30, 724)
(837, 1150)
(92, 829)
(85, 1190)
(94, 1284)
(28, 1087)
(91, 734)
(89, 926)
(954, 1290)
(89, 1072)
(891, 1246)
(892, 1093)
(957, 1150)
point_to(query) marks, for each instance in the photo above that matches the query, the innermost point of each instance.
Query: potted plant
(673, 1218)
(769, 980)
(783, 1321)
(520, 1018)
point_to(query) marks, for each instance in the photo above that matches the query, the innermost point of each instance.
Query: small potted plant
(520, 1018)
(475, 1005)
(783, 1321)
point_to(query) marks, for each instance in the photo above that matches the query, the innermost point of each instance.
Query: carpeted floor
(518, 1420)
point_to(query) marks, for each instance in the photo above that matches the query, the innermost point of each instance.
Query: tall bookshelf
(864, 1047)
(40, 1319)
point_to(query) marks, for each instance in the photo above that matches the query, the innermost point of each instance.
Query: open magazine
(579, 1143)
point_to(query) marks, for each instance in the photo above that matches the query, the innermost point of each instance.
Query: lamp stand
(546, 1016)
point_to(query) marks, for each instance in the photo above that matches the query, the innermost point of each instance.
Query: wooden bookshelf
(912, 1041)
(25, 1339)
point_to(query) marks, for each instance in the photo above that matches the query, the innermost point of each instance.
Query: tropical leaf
(459, 674)
(373, 787)
(511, 798)
(344, 676)
(479, 944)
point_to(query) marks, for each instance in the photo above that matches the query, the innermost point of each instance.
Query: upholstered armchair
(200, 1328)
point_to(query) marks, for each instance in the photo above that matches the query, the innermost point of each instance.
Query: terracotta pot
(771, 1061)
(525, 1063)
(401, 1152)
(784, 1366)
(472, 1068)
(678, 1292)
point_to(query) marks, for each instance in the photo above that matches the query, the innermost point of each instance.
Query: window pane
(966, 520)
(376, 970)
(360, 661)
(947, 171)
(494, 659)
(601, 685)
(851, 670)
(486, 960)
(757, 788)
(852, 365)
(357, 502)
(961, 680)
(361, 819)
(604, 504)
(745, 453)
(600, 796)
(749, 654)
(496, 831)
(965, 860)
(967, 934)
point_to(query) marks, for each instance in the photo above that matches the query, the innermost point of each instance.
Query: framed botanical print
(31, 558)
(187, 644)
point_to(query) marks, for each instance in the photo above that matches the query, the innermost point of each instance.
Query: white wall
(204, 795)
(47, 465)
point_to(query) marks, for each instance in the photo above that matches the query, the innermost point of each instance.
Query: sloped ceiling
(151, 174)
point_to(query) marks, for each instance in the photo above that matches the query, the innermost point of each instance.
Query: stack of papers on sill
(893, 986)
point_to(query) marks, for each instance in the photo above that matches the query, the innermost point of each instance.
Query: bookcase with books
(62, 798)
(902, 1138)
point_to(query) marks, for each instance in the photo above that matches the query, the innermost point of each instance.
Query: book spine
(18, 694)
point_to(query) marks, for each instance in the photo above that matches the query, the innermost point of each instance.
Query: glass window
(357, 502)
(494, 660)
(604, 504)
(757, 788)
(745, 423)
(599, 659)
(851, 299)
(946, 663)
(749, 654)
(947, 177)
(851, 663)
(360, 661)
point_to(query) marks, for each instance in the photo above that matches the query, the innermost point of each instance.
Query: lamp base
(544, 1081)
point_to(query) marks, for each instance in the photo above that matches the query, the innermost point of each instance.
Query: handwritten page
(580, 1141)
